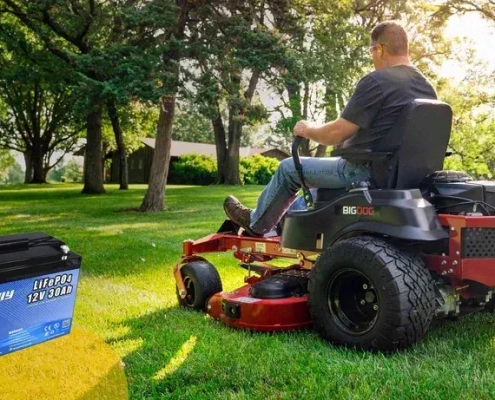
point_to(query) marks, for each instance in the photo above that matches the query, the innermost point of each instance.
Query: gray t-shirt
(378, 101)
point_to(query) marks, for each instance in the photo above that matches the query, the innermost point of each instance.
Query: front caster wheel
(366, 293)
(202, 281)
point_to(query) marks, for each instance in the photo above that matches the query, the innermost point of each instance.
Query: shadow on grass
(184, 354)
(114, 243)
(112, 386)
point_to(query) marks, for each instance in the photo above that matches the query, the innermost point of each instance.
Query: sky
(478, 31)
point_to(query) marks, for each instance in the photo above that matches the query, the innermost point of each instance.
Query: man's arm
(329, 134)
(359, 112)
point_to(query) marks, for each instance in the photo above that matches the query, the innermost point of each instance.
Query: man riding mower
(374, 264)
(381, 251)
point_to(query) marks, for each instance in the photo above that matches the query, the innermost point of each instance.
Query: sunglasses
(371, 48)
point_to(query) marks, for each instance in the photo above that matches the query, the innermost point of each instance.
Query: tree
(37, 119)
(67, 172)
(172, 37)
(191, 126)
(68, 31)
(14, 175)
(36, 106)
(233, 48)
(473, 127)
(109, 49)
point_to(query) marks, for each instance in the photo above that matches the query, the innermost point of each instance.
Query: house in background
(139, 162)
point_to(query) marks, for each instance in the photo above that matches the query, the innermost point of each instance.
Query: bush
(257, 170)
(70, 172)
(194, 169)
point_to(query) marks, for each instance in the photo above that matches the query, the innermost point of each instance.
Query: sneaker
(239, 214)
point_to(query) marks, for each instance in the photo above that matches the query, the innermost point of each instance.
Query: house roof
(178, 148)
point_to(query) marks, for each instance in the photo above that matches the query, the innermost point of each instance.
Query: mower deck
(238, 309)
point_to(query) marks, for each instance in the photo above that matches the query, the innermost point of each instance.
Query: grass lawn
(127, 296)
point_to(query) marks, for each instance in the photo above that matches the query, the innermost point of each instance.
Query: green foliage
(71, 171)
(473, 129)
(137, 120)
(328, 43)
(193, 169)
(191, 126)
(257, 170)
(7, 161)
(15, 175)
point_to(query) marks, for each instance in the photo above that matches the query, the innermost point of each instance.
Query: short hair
(393, 36)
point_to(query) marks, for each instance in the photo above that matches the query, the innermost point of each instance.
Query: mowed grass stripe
(127, 296)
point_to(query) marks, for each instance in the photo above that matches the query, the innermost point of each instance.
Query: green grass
(127, 296)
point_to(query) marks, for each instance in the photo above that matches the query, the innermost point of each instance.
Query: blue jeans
(281, 191)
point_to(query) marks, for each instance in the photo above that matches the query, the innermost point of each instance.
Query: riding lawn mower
(369, 266)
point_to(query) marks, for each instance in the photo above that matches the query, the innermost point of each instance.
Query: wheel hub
(190, 297)
(369, 297)
(353, 301)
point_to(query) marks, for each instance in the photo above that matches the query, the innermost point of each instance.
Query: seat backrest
(418, 141)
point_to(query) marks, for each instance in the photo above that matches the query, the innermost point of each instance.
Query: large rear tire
(490, 306)
(366, 293)
(202, 281)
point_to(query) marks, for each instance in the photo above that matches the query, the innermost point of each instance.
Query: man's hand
(302, 129)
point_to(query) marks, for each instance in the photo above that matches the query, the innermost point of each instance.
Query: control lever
(308, 198)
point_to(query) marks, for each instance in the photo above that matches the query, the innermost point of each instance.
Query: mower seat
(414, 147)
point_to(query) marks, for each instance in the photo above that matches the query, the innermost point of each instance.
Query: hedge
(195, 169)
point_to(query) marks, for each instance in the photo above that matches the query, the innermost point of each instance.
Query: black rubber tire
(402, 286)
(202, 277)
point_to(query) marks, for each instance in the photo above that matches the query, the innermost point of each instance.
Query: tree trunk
(154, 200)
(231, 166)
(28, 176)
(93, 165)
(330, 115)
(121, 148)
(294, 92)
(237, 111)
(221, 146)
(37, 163)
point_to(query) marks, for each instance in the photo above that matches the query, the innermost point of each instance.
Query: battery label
(36, 309)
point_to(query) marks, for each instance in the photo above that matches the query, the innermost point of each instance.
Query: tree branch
(253, 82)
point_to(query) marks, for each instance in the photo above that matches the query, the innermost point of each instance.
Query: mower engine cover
(455, 192)
(38, 284)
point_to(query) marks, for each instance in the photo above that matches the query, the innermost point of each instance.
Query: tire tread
(404, 279)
